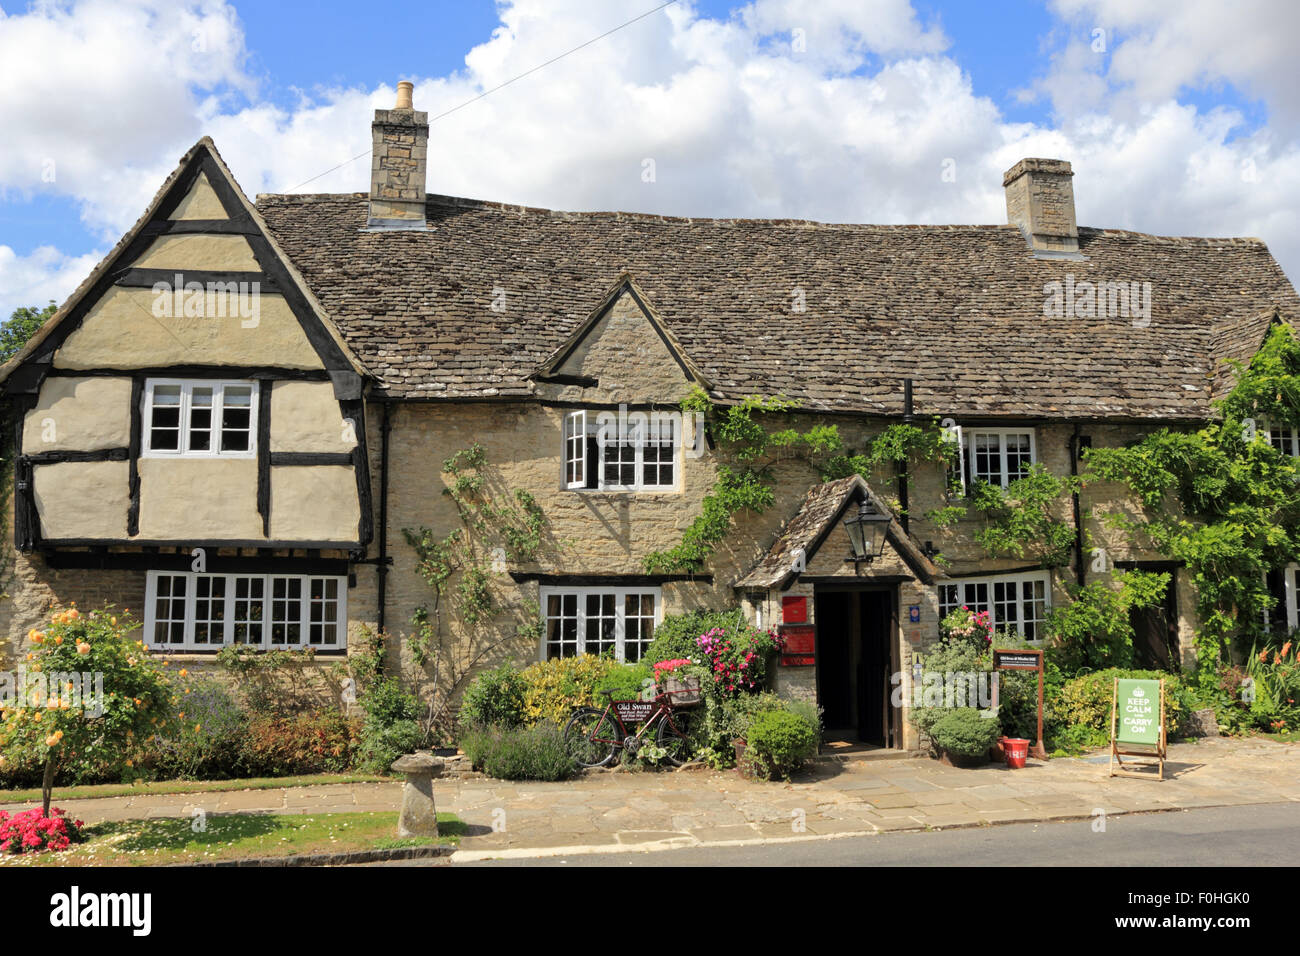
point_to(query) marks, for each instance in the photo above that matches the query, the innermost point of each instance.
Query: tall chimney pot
(404, 90)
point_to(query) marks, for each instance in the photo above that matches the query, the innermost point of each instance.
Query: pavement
(610, 812)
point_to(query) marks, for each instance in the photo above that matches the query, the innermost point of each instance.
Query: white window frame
(581, 594)
(187, 386)
(1282, 436)
(340, 620)
(1020, 580)
(968, 437)
(589, 427)
(575, 450)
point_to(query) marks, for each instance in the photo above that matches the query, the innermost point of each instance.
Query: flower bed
(32, 832)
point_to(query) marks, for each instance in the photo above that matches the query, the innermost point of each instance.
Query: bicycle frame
(663, 710)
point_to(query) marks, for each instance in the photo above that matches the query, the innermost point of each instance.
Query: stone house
(233, 421)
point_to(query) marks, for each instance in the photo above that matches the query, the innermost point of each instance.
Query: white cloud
(859, 125)
(43, 276)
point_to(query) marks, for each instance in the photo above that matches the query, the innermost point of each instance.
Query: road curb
(689, 842)
(337, 859)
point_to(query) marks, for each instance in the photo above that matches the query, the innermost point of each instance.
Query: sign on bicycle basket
(634, 711)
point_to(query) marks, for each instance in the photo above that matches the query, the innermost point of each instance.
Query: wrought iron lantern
(867, 533)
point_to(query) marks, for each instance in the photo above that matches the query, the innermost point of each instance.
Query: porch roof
(822, 508)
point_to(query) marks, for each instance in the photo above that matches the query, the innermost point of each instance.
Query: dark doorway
(1155, 631)
(854, 661)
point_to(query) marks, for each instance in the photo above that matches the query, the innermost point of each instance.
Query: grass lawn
(163, 841)
(189, 786)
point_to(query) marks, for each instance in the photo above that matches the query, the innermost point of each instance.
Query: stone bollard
(419, 817)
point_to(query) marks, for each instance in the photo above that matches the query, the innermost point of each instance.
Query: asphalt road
(1267, 835)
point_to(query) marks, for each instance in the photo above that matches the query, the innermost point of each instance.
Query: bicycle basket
(684, 691)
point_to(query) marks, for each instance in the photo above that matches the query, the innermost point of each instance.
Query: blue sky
(1184, 122)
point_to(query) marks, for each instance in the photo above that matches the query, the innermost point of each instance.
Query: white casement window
(189, 418)
(608, 452)
(615, 621)
(1015, 602)
(996, 455)
(575, 450)
(185, 610)
(1286, 440)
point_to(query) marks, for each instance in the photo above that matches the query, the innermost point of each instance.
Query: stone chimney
(400, 138)
(1040, 200)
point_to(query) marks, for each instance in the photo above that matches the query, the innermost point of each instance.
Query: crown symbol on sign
(1139, 692)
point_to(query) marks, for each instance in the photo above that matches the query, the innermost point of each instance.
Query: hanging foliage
(1222, 499)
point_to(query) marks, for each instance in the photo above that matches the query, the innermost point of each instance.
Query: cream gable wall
(121, 331)
(631, 361)
(216, 253)
(201, 202)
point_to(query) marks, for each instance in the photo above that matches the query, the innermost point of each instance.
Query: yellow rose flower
(83, 648)
(51, 741)
(184, 672)
(58, 638)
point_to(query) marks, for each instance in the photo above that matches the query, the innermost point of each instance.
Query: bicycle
(593, 736)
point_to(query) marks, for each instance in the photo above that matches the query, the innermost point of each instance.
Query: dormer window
(608, 451)
(189, 418)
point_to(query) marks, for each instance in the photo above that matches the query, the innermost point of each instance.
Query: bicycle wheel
(590, 737)
(675, 736)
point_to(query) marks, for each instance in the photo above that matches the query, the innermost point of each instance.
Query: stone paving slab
(657, 810)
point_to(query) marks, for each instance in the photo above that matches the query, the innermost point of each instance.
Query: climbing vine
(746, 482)
(1223, 499)
(495, 531)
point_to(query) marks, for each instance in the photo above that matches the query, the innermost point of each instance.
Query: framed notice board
(1137, 727)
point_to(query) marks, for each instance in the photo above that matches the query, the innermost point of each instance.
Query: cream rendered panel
(79, 414)
(305, 416)
(314, 503)
(122, 331)
(199, 498)
(200, 202)
(82, 499)
(197, 251)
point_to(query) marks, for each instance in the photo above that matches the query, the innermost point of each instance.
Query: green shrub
(1074, 739)
(779, 742)
(476, 741)
(1095, 629)
(321, 742)
(553, 689)
(520, 753)
(381, 744)
(676, 635)
(809, 712)
(963, 731)
(1086, 700)
(494, 699)
(628, 681)
(387, 702)
(210, 748)
(730, 719)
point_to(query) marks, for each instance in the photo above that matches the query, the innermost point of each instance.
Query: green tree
(22, 325)
(62, 722)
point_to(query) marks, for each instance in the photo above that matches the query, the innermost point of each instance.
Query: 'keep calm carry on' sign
(1139, 712)
(1137, 721)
